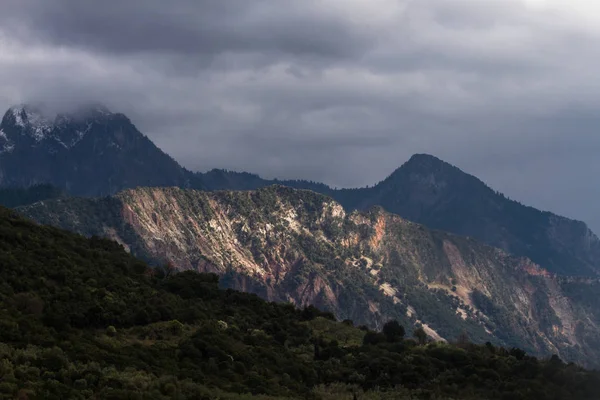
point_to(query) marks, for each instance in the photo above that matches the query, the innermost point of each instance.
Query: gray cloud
(341, 91)
(192, 28)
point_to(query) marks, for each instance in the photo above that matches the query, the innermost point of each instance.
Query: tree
(373, 338)
(420, 335)
(517, 353)
(393, 331)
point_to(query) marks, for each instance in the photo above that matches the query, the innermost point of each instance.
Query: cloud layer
(341, 91)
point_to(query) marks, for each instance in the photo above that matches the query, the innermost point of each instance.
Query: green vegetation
(80, 318)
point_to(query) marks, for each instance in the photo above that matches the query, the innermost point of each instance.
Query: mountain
(80, 318)
(94, 152)
(88, 152)
(441, 196)
(434, 193)
(302, 247)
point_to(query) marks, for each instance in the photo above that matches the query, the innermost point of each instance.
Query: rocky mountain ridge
(302, 247)
(432, 192)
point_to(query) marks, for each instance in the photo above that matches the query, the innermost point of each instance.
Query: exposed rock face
(434, 193)
(298, 246)
(91, 151)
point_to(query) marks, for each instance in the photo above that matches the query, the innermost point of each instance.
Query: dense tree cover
(80, 318)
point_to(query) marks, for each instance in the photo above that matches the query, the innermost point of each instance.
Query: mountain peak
(40, 114)
(95, 109)
(427, 169)
(29, 117)
(37, 122)
(424, 157)
(86, 150)
(425, 162)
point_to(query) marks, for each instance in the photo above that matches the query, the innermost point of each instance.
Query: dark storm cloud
(192, 27)
(342, 91)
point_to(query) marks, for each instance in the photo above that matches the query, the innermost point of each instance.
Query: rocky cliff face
(302, 247)
(88, 152)
(432, 192)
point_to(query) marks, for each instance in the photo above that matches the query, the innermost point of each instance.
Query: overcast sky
(339, 91)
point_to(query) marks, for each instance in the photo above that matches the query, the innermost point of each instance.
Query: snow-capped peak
(40, 124)
(33, 120)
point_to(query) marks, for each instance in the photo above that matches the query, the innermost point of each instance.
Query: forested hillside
(80, 318)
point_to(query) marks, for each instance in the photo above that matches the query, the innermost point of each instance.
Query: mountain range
(505, 273)
(94, 152)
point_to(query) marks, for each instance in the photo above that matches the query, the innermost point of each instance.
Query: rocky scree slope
(88, 152)
(299, 246)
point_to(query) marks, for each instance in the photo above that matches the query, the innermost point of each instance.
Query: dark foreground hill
(80, 318)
